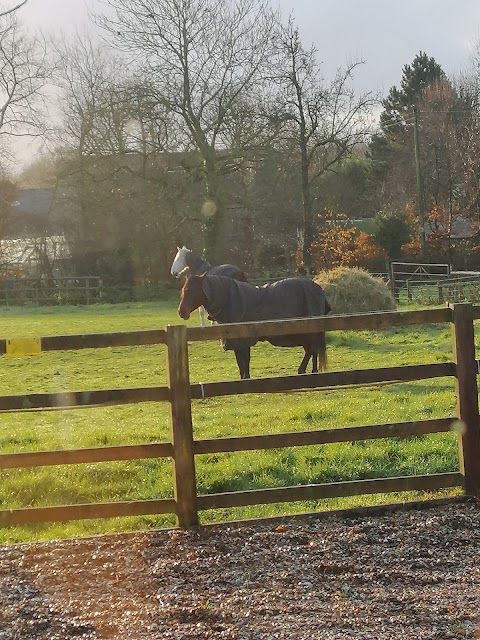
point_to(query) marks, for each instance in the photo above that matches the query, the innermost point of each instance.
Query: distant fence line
(45, 291)
(74, 290)
(182, 448)
(92, 289)
(454, 288)
(416, 287)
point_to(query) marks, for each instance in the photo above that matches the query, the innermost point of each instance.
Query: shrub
(338, 246)
(393, 231)
(352, 290)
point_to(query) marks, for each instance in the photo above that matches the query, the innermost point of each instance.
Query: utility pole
(420, 199)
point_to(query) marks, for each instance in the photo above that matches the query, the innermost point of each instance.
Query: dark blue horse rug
(228, 301)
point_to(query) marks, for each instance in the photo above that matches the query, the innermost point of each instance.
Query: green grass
(215, 417)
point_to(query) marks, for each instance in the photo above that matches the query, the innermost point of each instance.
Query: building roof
(36, 202)
(461, 228)
(24, 251)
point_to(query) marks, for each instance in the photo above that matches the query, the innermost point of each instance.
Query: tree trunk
(213, 211)
(307, 216)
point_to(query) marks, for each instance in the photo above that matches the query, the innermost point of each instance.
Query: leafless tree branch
(13, 9)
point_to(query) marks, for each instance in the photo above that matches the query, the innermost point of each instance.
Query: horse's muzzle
(183, 313)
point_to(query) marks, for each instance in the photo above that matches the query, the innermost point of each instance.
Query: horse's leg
(316, 349)
(322, 351)
(306, 358)
(201, 311)
(243, 360)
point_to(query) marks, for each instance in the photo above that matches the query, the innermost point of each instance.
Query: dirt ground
(405, 574)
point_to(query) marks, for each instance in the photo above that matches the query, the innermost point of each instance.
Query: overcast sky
(386, 34)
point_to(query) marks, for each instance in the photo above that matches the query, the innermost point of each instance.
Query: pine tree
(396, 119)
(398, 105)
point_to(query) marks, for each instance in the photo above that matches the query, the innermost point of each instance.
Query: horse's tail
(322, 352)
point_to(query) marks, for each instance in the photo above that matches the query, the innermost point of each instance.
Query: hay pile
(352, 290)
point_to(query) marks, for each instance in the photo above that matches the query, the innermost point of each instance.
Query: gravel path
(406, 574)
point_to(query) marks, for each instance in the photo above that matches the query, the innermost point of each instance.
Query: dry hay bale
(353, 290)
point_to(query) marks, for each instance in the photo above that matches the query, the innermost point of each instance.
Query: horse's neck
(213, 303)
(227, 298)
(196, 264)
(213, 309)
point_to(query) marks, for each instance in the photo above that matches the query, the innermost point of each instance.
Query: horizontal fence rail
(95, 340)
(183, 447)
(357, 322)
(325, 380)
(24, 460)
(330, 490)
(74, 399)
(65, 513)
(324, 436)
(328, 380)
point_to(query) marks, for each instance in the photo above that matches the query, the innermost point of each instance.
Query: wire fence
(456, 288)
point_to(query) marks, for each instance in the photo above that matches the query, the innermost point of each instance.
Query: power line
(409, 119)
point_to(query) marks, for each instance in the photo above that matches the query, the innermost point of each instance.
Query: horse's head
(192, 296)
(180, 262)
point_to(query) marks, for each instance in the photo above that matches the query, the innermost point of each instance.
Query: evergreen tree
(392, 231)
(396, 126)
(398, 105)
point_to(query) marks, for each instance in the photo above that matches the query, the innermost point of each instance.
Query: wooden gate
(403, 274)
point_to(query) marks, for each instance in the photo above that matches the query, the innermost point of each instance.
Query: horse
(187, 261)
(227, 300)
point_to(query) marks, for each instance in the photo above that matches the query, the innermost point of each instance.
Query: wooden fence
(179, 393)
(59, 290)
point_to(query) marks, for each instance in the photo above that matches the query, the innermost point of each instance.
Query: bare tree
(122, 198)
(89, 81)
(6, 12)
(468, 88)
(203, 58)
(39, 173)
(24, 74)
(323, 122)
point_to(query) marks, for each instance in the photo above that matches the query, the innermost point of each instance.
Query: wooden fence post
(184, 482)
(463, 339)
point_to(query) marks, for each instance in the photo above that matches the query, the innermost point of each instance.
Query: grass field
(252, 414)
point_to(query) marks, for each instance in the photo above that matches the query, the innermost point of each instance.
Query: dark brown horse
(228, 300)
